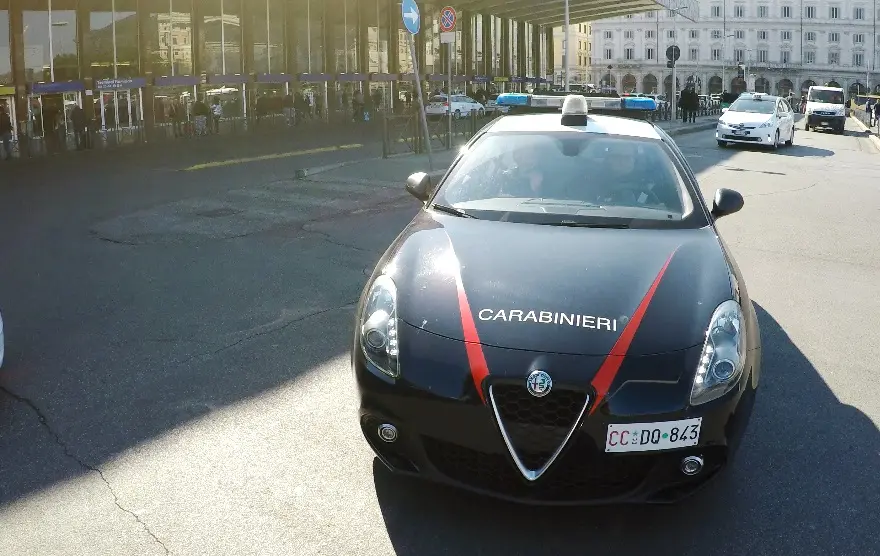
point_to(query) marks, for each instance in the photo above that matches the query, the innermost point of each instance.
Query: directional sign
(447, 19)
(673, 53)
(411, 19)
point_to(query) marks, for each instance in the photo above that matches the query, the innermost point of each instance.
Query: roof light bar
(545, 102)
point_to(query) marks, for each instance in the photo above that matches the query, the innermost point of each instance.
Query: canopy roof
(552, 12)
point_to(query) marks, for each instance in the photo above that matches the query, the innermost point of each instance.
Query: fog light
(691, 465)
(388, 433)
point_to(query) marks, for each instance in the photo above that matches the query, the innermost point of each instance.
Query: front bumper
(754, 136)
(822, 120)
(447, 435)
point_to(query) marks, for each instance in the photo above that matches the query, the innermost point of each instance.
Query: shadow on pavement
(804, 482)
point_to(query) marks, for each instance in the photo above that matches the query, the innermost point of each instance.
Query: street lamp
(675, 13)
(566, 46)
(724, 60)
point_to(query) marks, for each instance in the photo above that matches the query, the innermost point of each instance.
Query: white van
(825, 108)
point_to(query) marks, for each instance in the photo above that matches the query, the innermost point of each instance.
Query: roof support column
(535, 70)
(393, 23)
(551, 55)
(505, 48)
(521, 49)
(290, 14)
(467, 43)
(487, 44)
(146, 70)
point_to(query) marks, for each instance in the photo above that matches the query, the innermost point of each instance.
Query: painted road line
(233, 161)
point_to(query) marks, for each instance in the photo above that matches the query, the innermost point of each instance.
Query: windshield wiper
(570, 224)
(452, 210)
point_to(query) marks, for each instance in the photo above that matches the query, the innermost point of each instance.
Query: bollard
(385, 145)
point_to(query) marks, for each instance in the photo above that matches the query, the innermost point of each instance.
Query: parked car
(461, 106)
(492, 105)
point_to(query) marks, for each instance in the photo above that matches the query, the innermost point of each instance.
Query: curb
(874, 139)
(692, 129)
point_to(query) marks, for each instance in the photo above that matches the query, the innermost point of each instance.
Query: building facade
(123, 60)
(580, 58)
(783, 45)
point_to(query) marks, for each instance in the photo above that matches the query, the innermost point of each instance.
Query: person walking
(216, 113)
(5, 132)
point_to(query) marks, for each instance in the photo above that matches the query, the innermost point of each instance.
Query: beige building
(579, 57)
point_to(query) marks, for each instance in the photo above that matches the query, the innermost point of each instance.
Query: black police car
(561, 323)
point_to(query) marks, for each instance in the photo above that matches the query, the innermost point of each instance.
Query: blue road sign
(411, 19)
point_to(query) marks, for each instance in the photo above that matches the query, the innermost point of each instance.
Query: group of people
(689, 103)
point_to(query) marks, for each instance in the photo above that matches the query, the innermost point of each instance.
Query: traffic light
(740, 72)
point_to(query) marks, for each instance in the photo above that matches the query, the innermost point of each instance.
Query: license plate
(740, 132)
(649, 437)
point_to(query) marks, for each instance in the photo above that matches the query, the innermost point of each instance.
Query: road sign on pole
(409, 11)
(447, 19)
(411, 18)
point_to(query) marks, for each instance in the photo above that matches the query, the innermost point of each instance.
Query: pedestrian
(869, 111)
(877, 115)
(216, 113)
(5, 132)
(78, 119)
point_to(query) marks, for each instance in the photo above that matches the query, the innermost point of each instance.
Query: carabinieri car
(561, 323)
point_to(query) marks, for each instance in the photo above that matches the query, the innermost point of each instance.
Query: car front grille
(537, 427)
(581, 474)
(741, 138)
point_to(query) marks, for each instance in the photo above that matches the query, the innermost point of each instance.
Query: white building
(786, 45)
(580, 55)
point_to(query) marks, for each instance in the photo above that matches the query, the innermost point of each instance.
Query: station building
(124, 61)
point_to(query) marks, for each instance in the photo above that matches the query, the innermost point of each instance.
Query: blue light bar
(595, 103)
(513, 99)
(639, 103)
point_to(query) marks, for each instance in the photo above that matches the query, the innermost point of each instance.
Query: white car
(825, 108)
(461, 106)
(757, 119)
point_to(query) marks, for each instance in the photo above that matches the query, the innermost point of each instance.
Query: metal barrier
(403, 134)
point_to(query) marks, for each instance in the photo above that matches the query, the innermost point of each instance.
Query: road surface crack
(329, 239)
(45, 422)
(269, 329)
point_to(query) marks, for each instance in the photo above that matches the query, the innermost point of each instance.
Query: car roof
(826, 88)
(598, 124)
(763, 96)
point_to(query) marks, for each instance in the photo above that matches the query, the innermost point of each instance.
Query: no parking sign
(447, 19)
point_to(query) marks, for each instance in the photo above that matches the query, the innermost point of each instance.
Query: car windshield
(753, 106)
(568, 178)
(828, 97)
(438, 98)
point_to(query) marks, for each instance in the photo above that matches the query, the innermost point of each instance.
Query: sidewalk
(859, 118)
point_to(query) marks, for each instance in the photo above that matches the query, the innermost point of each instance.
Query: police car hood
(556, 289)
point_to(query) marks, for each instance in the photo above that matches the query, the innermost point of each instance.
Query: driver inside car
(525, 178)
(622, 179)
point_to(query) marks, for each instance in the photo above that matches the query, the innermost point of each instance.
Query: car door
(786, 117)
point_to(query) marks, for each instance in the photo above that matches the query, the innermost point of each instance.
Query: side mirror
(723, 110)
(727, 201)
(419, 186)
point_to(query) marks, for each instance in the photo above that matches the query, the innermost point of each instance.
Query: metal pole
(268, 37)
(566, 46)
(222, 37)
(424, 118)
(309, 32)
(449, 91)
(52, 45)
(674, 64)
(171, 34)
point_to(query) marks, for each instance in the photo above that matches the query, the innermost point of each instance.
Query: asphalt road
(178, 381)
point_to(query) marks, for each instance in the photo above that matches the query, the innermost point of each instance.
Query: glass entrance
(50, 119)
(121, 115)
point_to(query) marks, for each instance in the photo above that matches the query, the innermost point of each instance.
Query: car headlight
(768, 123)
(723, 358)
(378, 326)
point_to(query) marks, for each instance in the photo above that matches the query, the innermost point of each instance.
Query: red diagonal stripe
(608, 371)
(476, 358)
